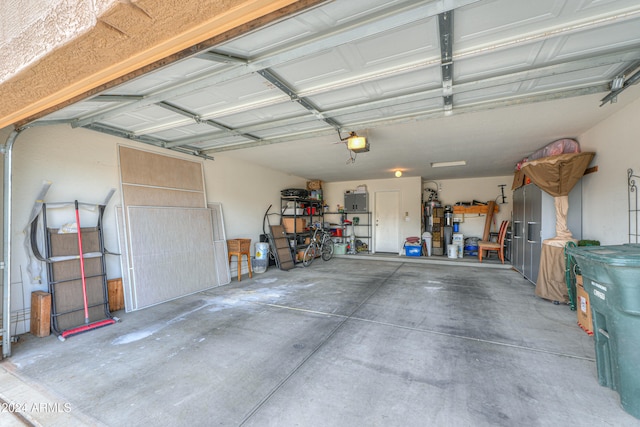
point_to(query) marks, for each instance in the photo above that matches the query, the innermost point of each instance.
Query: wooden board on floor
(40, 313)
(116, 294)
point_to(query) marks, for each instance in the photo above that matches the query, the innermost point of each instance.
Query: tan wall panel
(172, 253)
(159, 194)
(148, 196)
(157, 170)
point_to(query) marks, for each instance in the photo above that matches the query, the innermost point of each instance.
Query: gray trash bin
(612, 279)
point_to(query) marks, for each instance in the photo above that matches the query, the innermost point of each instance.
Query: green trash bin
(612, 278)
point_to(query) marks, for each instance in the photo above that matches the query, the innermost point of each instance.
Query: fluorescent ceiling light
(448, 164)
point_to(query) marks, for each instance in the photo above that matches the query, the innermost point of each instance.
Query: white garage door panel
(172, 253)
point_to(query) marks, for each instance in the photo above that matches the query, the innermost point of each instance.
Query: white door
(387, 221)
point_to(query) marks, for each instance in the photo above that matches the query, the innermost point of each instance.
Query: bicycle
(320, 243)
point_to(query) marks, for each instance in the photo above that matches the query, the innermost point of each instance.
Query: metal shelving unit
(311, 212)
(363, 230)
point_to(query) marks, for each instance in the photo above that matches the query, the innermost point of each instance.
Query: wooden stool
(239, 247)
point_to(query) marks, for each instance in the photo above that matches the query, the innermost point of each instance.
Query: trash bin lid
(627, 255)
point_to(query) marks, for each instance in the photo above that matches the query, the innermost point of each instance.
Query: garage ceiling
(487, 82)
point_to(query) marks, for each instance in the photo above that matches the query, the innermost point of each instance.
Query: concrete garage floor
(348, 342)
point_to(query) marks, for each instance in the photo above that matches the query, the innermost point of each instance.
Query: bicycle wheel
(309, 254)
(327, 248)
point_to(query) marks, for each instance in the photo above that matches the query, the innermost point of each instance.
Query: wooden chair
(498, 246)
(239, 247)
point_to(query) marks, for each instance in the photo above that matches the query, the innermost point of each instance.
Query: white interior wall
(83, 165)
(48, 154)
(480, 189)
(616, 142)
(409, 189)
(43, 154)
(246, 191)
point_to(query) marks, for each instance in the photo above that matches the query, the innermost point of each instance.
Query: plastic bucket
(259, 265)
(340, 248)
(261, 261)
(262, 250)
(452, 251)
(426, 238)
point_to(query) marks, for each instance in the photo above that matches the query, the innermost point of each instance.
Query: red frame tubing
(85, 328)
(84, 280)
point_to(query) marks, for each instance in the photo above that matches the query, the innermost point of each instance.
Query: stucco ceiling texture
(31, 29)
(108, 43)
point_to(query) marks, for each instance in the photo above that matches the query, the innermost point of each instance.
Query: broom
(87, 326)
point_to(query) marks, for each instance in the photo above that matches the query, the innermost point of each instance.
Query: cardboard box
(40, 313)
(583, 307)
(314, 185)
(294, 225)
(116, 294)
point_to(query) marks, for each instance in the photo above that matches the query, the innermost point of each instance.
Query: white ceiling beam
(361, 107)
(564, 29)
(380, 22)
(531, 73)
(463, 87)
(427, 114)
(251, 128)
(221, 76)
(197, 119)
(291, 93)
(200, 82)
(550, 69)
